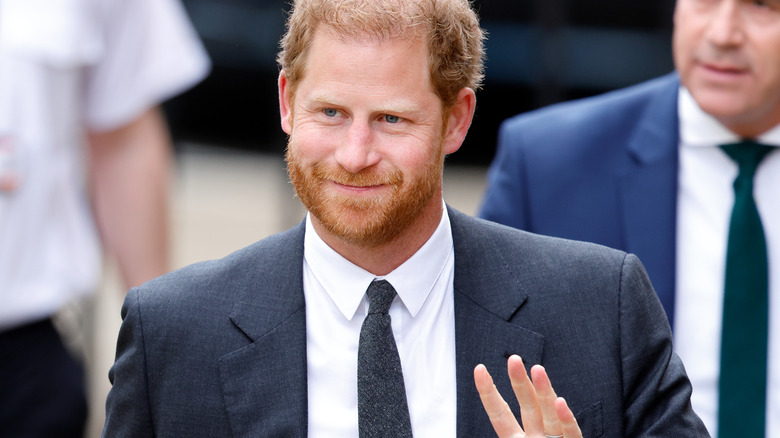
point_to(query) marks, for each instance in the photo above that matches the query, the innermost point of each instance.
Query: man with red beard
(379, 315)
(663, 170)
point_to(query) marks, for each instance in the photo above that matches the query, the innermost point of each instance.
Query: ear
(285, 103)
(459, 120)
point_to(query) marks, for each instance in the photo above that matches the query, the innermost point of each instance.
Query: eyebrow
(400, 106)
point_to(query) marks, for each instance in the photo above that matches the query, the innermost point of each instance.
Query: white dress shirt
(705, 201)
(423, 324)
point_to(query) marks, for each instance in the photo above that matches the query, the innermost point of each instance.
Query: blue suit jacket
(602, 169)
(219, 348)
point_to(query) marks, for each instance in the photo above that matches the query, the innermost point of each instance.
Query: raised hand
(544, 414)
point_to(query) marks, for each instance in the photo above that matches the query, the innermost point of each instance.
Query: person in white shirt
(84, 167)
(640, 169)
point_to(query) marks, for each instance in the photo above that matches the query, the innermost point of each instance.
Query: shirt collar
(697, 128)
(346, 283)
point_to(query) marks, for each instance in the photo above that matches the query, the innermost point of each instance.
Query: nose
(357, 150)
(725, 28)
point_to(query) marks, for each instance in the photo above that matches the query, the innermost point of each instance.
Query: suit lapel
(648, 189)
(270, 371)
(487, 297)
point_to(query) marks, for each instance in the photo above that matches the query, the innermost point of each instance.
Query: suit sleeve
(656, 389)
(128, 411)
(505, 198)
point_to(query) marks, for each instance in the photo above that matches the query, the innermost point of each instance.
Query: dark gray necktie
(382, 407)
(743, 365)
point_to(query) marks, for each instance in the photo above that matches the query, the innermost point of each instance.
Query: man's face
(728, 55)
(365, 153)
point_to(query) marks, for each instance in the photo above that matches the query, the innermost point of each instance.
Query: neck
(382, 259)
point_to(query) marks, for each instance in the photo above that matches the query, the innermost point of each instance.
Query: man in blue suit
(280, 338)
(638, 169)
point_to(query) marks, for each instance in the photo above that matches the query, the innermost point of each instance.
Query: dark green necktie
(743, 362)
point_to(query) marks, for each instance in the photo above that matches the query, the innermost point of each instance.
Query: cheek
(689, 30)
(772, 59)
(310, 144)
(417, 158)
(681, 50)
(765, 62)
(408, 155)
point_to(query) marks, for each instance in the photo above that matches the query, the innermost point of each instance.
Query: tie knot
(748, 154)
(380, 295)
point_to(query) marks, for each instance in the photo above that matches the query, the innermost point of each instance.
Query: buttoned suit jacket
(219, 348)
(602, 169)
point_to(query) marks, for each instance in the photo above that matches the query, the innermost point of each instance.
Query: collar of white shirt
(697, 128)
(346, 283)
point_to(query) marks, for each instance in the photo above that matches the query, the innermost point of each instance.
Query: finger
(569, 425)
(526, 396)
(501, 417)
(546, 396)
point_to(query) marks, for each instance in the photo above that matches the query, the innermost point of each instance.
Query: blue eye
(391, 119)
(330, 112)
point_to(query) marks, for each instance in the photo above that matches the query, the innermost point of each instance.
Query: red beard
(366, 222)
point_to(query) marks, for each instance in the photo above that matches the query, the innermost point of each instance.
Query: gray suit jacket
(219, 348)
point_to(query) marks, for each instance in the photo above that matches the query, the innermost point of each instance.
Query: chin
(721, 104)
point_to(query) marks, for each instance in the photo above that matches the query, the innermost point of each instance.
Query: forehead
(367, 64)
(332, 45)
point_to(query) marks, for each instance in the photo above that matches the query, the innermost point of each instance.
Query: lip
(722, 72)
(357, 189)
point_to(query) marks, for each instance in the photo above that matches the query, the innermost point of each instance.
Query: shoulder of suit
(618, 105)
(273, 255)
(486, 239)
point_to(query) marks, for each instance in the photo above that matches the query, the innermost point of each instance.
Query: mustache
(364, 178)
(724, 57)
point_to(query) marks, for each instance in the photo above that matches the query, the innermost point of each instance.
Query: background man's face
(728, 55)
(365, 128)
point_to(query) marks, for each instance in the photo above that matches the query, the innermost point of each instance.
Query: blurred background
(539, 52)
(231, 186)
